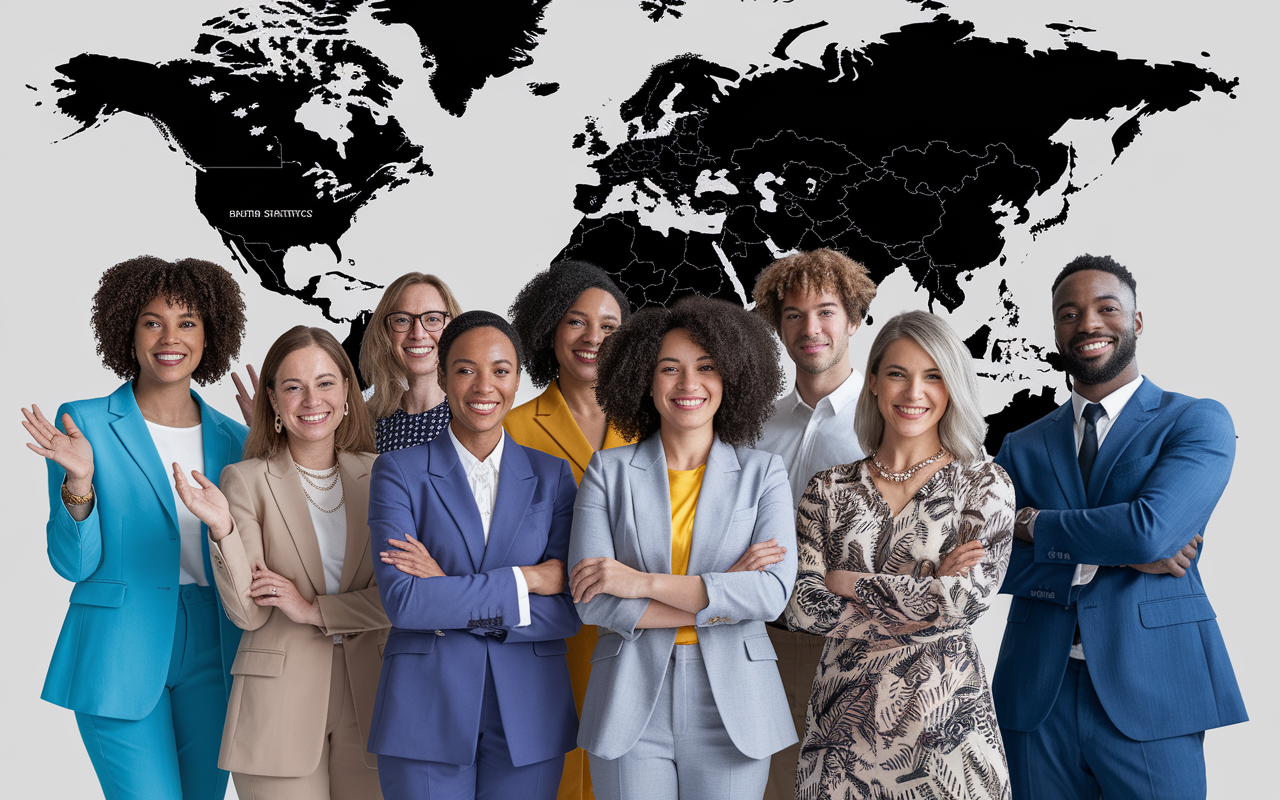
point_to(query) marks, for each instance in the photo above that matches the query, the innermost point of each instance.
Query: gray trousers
(685, 750)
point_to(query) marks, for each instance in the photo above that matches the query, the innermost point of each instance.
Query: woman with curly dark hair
(145, 654)
(683, 545)
(563, 315)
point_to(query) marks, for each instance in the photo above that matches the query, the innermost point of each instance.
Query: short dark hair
(471, 320)
(544, 301)
(205, 288)
(1100, 263)
(740, 342)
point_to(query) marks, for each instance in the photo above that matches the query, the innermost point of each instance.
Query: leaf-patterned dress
(901, 708)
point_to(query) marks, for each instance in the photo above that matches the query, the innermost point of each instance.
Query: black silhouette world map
(907, 151)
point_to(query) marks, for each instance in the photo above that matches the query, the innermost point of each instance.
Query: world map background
(1186, 205)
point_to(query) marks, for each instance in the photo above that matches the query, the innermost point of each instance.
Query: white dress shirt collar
(1112, 404)
(482, 477)
(838, 398)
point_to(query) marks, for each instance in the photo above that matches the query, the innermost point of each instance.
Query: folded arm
(235, 554)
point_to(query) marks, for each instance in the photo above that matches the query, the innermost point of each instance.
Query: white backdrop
(1190, 207)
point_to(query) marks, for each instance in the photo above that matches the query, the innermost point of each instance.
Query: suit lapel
(286, 488)
(132, 431)
(1060, 443)
(516, 483)
(651, 505)
(1135, 415)
(557, 421)
(355, 488)
(450, 483)
(715, 507)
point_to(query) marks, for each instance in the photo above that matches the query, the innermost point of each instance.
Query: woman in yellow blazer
(562, 316)
(289, 541)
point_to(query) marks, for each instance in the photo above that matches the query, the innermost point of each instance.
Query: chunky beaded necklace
(905, 475)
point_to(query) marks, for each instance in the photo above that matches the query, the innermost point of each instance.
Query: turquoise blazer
(112, 655)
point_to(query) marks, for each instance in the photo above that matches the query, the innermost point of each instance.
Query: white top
(1112, 405)
(483, 479)
(185, 446)
(813, 439)
(331, 529)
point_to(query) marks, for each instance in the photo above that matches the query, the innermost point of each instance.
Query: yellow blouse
(686, 485)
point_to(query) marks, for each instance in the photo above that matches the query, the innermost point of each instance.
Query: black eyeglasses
(402, 321)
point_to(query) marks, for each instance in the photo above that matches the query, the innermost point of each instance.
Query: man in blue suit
(474, 698)
(1112, 666)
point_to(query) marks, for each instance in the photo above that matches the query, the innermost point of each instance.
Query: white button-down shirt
(1112, 405)
(813, 439)
(482, 477)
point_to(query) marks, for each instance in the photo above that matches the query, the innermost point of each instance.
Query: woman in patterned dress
(899, 556)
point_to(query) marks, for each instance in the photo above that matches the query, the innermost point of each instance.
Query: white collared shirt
(813, 439)
(1112, 405)
(482, 477)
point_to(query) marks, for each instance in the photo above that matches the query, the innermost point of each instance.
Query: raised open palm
(206, 501)
(70, 450)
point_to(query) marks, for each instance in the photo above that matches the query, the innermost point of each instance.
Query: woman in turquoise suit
(145, 653)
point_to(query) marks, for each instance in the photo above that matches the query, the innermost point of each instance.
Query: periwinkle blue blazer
(112, 656)
(447, 631)
(1154, 651)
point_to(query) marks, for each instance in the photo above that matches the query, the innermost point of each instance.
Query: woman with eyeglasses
(398, 361)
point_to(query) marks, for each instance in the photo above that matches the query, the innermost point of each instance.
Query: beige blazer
(278, 710)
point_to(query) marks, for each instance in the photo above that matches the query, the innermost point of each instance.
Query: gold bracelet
(76, 499)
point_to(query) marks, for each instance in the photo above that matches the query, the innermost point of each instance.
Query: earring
(345, 409)
(279, 423)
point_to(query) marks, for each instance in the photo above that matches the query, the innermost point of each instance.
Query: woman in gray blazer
(683, 544)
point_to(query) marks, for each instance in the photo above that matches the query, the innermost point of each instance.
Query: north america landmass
(914, 151)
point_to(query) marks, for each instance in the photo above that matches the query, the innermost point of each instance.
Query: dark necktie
(1089, 446)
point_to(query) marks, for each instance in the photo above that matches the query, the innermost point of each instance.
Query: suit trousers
(173, 751)
(342, 773)
(491, 776)
(685, 750)
(799, 655)
(1078, 754)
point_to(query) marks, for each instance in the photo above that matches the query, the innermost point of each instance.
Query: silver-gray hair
(962, 428)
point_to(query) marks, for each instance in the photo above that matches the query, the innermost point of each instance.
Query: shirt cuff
(522, 595)
(1084, 574)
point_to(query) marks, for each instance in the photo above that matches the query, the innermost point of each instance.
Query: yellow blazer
(279, 702)
(545, 423)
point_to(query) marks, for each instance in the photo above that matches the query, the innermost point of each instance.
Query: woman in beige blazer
(289, 542)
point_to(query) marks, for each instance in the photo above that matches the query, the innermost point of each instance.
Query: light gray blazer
(623, 511)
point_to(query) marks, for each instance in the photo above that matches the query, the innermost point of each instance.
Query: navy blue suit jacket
(1155, 654)
(446, 629)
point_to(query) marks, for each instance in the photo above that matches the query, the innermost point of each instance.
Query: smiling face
(588, 322)
(815, 329)
(687, 387)
(416, 347)
(309, 395)
(481, 380)
(909, 390)
(1096, 329)
(168, 341)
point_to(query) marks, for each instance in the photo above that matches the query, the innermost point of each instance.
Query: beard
(1089, 373)
(805, 364)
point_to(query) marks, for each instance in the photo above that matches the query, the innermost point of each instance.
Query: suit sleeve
(75, 548)
(453, 602)
(234, 555)
(1026, 578)
(758, 594)
(353, 612)
(1172, 505)
(591, 537)
(554, 617)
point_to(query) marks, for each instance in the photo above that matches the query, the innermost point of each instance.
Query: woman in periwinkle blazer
(562, 316)
(682, 546)
(144, 653)
(289, 537)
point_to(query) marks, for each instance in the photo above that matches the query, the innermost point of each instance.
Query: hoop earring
(279, 423)
(345, 409)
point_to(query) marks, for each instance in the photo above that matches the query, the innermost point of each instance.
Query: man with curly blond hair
(815, 301)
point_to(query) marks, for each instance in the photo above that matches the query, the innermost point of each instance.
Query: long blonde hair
(380, 364)
(354, 433)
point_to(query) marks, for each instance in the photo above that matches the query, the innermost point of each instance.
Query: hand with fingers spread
(411, 558)
(961, 559)
(271, 589)
(1177, 564)
(603, 575)
(759, 556)
(244, 398)
(70, 450)
(547, 578)
(205, 501)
